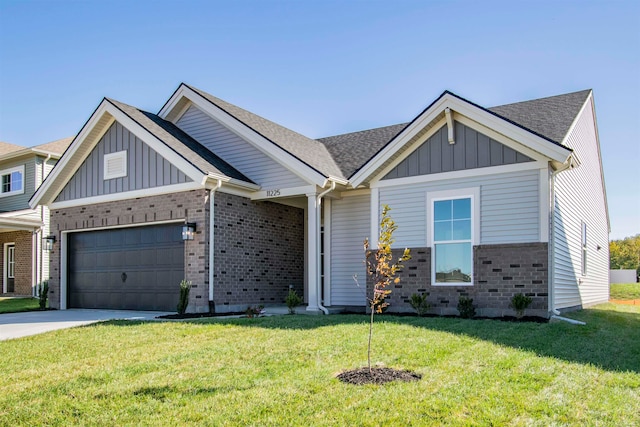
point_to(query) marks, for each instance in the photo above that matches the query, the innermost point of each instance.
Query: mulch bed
(377, 375)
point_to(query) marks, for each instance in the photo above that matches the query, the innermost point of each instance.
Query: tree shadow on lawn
(610, 340)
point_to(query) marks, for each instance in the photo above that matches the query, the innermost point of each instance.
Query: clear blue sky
(326, 67)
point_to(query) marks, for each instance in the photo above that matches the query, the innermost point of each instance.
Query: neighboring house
(492, 202)
(24, 262)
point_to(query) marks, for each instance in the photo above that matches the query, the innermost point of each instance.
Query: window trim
(9, 171)
(472, 193)
(119, 155)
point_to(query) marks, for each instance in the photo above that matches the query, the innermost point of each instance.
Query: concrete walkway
(17, 325)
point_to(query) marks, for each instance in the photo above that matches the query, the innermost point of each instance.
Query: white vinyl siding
(509, 207)
(579, 198)
(239, 153)
(349, 228)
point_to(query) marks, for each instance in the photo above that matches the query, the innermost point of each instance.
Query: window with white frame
(584, 249)
(12, 181)
(453, 229)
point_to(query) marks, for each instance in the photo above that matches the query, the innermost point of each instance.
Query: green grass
(625, 291)
(279, 371)
(14, 305)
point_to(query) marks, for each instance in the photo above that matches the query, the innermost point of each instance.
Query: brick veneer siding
(190, 205)
(500, 271)
(259, 252)
(23, 261)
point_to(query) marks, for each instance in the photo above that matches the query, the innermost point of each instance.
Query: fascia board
(461, 107)
(536, 143)
(403, 138)
(278, 154)
(51, 182)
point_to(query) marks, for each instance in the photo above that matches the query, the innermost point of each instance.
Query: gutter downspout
(318, 236)
(212, 193)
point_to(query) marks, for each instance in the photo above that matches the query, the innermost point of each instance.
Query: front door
(10, 269)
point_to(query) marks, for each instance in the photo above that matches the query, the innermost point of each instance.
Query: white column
(312, 253)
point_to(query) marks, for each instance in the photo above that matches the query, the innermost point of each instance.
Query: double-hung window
(12, 181)
(452, 228)
(584, 249)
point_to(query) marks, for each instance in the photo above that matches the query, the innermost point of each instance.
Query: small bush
(466, 308)
(183, 302)
(420, 304)
(520, 302)
(293, 300)
(43, 294)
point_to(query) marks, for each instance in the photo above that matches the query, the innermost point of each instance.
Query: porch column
(312, 253)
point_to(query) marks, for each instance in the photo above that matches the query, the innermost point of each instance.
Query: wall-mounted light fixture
(188, 230)
(48, 242)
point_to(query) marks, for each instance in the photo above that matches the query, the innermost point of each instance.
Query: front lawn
(280, 371)
(14, 305)
(625, 291)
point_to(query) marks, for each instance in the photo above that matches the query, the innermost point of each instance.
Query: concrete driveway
(17, 325)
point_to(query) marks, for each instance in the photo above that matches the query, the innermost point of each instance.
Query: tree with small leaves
(382, 270)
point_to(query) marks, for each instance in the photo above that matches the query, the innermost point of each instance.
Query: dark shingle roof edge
(309, 151)
(209, 159)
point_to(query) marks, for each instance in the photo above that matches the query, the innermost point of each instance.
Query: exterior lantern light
(188, 230)
(48, 242)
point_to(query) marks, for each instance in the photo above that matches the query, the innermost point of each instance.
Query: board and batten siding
(579, 198)
(349, 227)
(245, 157)
(17, 202)
(471, 150)
(509, 207)
(145, 168)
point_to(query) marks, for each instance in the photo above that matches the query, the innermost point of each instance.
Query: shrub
(420, 304)
(43, 294)
(183, 302)
(520, 302)
(293, 300)
(466, 308)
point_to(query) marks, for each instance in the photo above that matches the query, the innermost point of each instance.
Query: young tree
(382, 270)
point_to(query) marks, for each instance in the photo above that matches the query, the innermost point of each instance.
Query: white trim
(275, 152)
(467, 173)
(374, 218)
(277, 193)
(327, 252)
(9, 171)
(117, 159)
(414, 146)
(477, 114)
(154, 191)
(543, 201)
(5, 266)
(474, 194)
(312, 255)
(64, 236)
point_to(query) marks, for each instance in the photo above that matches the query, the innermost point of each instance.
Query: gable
(471, 150)
(144, 168)
(244, 156)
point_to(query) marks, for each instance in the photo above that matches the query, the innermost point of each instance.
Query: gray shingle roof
(352, 150)
(57, 147)
(6, 147)
(551, 117)
(180, 142)
(309, 151)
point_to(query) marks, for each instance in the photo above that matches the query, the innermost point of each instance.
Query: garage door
(136, 268)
